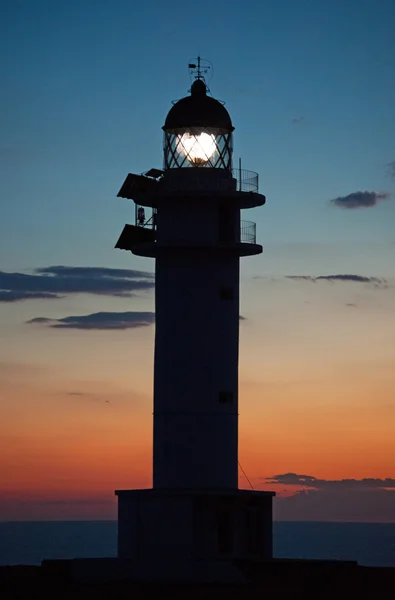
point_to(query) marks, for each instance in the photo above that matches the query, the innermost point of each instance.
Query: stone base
(193, 535)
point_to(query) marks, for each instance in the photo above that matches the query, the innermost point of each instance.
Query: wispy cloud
(297, 120)
(360, 199)
(102, 320)
(99, 320)
(376, 281)
(88, 395)
(308, 481)
(56, 281)
(14, 296)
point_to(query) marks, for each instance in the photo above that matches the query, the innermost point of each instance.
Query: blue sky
(87, 85)
(310, 87)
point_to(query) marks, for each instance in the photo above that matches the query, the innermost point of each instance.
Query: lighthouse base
(193, 535)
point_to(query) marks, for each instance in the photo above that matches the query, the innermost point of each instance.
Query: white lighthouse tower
(194, 523)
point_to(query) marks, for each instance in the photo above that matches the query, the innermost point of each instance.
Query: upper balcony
(157, 187)
(247, 181)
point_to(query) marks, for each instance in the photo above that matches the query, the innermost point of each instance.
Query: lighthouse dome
(198, 110)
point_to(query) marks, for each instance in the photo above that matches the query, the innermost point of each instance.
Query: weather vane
(198, 70)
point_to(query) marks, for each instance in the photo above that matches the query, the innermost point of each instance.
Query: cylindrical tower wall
(196, 370)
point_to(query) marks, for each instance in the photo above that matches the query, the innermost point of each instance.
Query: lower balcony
(145, 233)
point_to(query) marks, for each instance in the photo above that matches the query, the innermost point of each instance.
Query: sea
(28, 543)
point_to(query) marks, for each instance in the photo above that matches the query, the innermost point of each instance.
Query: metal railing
(144, 218)
(248, 232)
(247, 181)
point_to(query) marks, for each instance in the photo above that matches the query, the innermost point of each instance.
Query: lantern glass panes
(198, 147)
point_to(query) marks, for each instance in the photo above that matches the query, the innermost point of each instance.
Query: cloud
(55, 281)
(297, 120)
(88, 395)
(100, 320)
(376, 281)
(360, 199)
(308, 481)
(12, 296)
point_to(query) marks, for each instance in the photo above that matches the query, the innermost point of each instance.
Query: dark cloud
(12, 296)
(308, 481)
(53, 282)
(100, 320)
(297, 120)
(376, 281)
(94, 272)
(360, 199)
(301, 277)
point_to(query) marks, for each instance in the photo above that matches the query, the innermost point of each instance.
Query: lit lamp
(198, 132)
(198, 147)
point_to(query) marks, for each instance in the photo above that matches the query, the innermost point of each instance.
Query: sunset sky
(86, 86)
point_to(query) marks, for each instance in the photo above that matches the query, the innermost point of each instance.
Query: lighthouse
(194, 523)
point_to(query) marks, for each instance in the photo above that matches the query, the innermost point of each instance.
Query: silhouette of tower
(194, 522)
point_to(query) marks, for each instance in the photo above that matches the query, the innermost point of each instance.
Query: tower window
(226, 293)
(225, 397)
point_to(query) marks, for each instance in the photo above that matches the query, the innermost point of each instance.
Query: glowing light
(197, 148)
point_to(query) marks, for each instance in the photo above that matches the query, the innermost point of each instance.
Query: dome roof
(198, 110)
